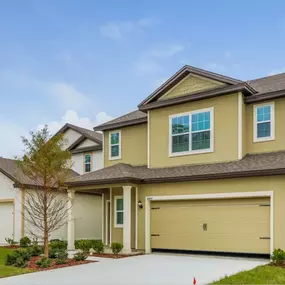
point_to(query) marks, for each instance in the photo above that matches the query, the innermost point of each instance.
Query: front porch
(119, 214)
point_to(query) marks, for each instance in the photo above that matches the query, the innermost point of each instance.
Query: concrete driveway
(141, 270)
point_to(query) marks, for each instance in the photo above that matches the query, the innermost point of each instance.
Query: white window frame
(199, 151)
(119, 144)
(116, 211)
(84, 164)
(272, 121)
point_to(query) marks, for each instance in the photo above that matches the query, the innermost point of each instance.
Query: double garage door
(232, 225)
(6, 221)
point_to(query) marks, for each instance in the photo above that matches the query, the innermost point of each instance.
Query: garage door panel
(6, 221)
(234, 225)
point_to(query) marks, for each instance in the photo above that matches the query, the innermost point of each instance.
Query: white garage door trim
(148, 199)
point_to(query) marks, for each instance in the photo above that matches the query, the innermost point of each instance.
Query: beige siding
(225, 132)
(273, 183)
(191, 84)
(275, 145)
(117, 233)
(134, 146)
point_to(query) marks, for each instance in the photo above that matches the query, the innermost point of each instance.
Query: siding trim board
(148, 200)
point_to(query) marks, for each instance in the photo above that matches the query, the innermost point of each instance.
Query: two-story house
(86, 148)
(200, 166)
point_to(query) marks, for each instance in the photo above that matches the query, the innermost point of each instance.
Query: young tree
(46, 164)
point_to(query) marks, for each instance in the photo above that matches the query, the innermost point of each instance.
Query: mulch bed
(70, 262)
(115, 256)
(280, 265)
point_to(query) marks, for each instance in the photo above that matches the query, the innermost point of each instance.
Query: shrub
(20, 262)
(10, 241)
(98, 246)
(61, 257)
(278, 256)
(25, 242)
(35, 249)
(44, 262)
(57, 253)
(84, 245)
(18, 258)
(80, 256)
(116, 247)
(58, 244)
(59, 261)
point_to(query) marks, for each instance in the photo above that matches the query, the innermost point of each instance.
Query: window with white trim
(115, 145)
(119, 211)
(264, 122)
(191, 132)
(87, 162)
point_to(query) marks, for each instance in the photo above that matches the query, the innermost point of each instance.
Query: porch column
(70, 224)
(127, 190)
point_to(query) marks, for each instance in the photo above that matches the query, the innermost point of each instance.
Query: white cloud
(277, 71)
(68, 96)
(72, 117)
(10, 143)
(150, 60)
(166, 50)
(118, 30)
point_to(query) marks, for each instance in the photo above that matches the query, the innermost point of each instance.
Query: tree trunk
(46, 243)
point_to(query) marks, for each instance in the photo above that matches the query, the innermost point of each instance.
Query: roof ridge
(265, 77)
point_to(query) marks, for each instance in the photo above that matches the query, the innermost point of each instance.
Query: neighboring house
(86, 148)
(200, 166)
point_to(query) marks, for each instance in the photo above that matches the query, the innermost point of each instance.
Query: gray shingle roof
(10, 168)
(131, 118)
(268, 83)
(251, 165)
(93, 135)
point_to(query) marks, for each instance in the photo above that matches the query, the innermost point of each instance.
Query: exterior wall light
(140, 204)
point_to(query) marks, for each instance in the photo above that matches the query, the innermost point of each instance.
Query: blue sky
(87, 61)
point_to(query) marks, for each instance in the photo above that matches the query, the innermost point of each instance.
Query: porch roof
(251, 165)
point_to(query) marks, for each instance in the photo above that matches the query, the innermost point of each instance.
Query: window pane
(115, 138)
(263, 130)
(120, 218)
(114, 150)
(87, 158)
(201, 121)
(263, 113)
(180, 125)
(87, 167)
(120, 205)
(201, 140)
(180, 143)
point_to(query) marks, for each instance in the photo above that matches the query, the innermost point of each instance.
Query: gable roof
(260, 89)
(251, 165)
(92, 135)
(132, 118)
(182, 73)
(10, 168)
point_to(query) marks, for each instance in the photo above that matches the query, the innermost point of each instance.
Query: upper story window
(191, 132)
(264, 128)
(87, 162)
(119, 211)
(115, 145)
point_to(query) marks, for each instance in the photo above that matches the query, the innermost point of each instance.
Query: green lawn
(260, 275)
(6, 271)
